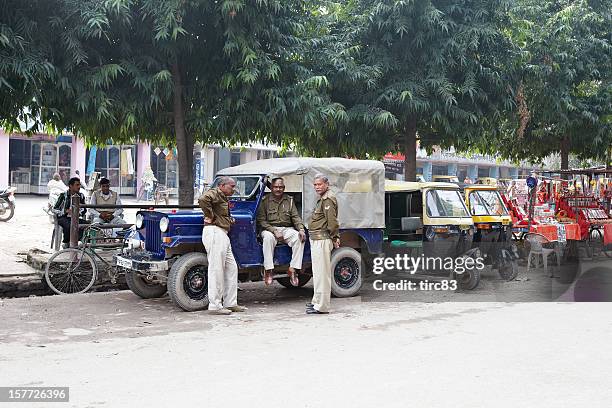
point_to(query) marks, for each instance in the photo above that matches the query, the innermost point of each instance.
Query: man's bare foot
(293, 278)
(268, 278)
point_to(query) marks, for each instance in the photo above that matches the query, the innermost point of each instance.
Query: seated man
(278, 219)
(63, 209)
(105, 196)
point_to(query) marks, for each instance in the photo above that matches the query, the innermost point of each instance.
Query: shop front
(117, 163)
(33, 161)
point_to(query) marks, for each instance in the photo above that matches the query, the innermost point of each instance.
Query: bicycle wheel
(70, 271)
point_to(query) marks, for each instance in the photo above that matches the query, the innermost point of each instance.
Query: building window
(117, 164)
(165, 167)
(235, 158)
(483, 171)
(462, 172)
(439, 170)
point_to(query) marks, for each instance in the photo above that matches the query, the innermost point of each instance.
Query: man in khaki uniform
(278, 218)
(324, 232)
(222, 267)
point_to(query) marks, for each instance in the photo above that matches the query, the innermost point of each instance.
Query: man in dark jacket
(63, 209)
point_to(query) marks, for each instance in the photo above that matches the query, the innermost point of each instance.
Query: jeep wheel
(188, 282)
(139, 285)
(303, 279)
(347, 272)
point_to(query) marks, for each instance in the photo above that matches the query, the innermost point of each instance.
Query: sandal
(268, 278)
(293, 278)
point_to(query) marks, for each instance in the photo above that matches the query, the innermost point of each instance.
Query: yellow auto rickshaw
(493, 229)
(431, 219)
(489, 181)
(445, 179)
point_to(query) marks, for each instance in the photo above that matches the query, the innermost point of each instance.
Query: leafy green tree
(176, 72)
(564, 70)
(24, 57)
(403, 68)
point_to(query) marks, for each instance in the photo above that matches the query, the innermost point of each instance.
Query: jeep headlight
(163, 224)
(139, 221)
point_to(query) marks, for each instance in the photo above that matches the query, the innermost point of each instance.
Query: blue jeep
(165, 252)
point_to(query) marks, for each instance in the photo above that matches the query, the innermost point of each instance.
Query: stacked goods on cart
(585, 209)
(596, 216)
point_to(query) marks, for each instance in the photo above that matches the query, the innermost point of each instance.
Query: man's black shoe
(309, 306)
(315, 311)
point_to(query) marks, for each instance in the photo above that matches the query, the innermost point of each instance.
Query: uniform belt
(316, 235)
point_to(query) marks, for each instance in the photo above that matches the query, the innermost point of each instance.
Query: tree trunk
(564, 156)
(184, 141)
(410, 150)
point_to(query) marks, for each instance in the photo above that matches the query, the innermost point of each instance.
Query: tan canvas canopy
(359, 185)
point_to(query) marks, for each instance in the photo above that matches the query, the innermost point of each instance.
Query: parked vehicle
(445, 179)
(7, 203)
(490, 181)
(431, 218)
(493, 229)
(166, 250)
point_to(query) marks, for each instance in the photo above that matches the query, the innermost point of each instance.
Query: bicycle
(162, 193)
(74, 270)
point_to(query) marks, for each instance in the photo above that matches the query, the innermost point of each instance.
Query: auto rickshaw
(493, 224)
(445, 179)
(489, 181)
(431, 219)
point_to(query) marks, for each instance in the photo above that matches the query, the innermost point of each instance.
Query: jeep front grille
(153, 240)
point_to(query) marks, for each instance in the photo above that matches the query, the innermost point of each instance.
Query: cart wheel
(70, 271)
(508, 269)
(469, 279)
(596, 242)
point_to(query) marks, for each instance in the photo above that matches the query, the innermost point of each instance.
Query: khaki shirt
(324, 220)
(215, 206)
(283, 213)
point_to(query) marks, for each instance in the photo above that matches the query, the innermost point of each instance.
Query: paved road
(116, 350)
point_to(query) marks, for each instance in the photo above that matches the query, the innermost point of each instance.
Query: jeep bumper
(140, 265)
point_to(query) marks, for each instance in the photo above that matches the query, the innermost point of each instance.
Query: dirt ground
(505, 344)
(116, 350)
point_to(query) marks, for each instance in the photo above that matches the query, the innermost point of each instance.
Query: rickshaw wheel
(508, 270)
(469, 279)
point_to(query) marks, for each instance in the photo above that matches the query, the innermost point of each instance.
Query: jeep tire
(347, 272)
(188, 282)
(138, 284)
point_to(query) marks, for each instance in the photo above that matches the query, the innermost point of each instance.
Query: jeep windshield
(246, 186)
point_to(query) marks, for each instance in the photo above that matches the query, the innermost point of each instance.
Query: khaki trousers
(222, 268)
(292, 238)
(115, 220)
(320, 252)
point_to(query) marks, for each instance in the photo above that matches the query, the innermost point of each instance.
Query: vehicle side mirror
(411, 223)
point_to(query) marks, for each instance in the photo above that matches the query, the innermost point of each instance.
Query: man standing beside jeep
(324, 232)
(222, 267)
(279, 219)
